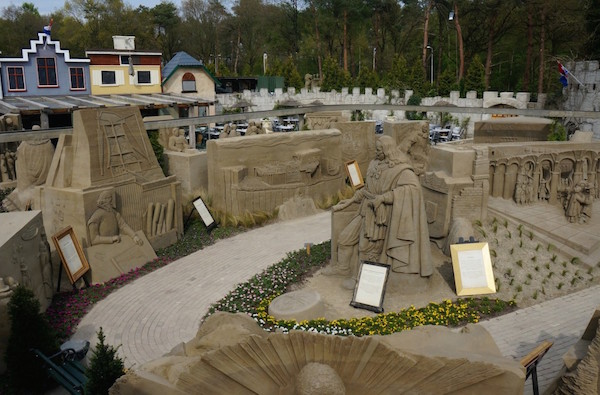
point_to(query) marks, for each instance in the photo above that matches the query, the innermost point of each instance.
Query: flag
(563, 74)
(48, 28)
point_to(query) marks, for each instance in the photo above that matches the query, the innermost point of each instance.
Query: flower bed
(253, 297)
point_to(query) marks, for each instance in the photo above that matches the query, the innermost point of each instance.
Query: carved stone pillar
(498, 185)
(554, 187)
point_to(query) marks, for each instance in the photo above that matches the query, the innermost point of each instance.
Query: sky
(48, 6)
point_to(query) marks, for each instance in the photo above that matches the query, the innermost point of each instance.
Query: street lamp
(374, 57)
(431, 77)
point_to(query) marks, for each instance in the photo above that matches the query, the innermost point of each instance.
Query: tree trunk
(529, 55)
(237, 51)
(461, 52)
(318, 42)
(542, 48)
(426, 35)
(345, 41)
(490, 53)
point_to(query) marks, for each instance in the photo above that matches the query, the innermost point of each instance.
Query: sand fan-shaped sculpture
(234, 358)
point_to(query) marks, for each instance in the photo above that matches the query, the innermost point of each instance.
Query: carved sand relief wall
(413, 139)
(325, 119)
(543, 173)
(358, 142)
(261, 172)
(24, 259)
(110, 151)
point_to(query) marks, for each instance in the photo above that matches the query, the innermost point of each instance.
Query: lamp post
(431, 77)
(374, 57)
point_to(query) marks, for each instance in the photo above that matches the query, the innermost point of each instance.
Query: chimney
(126, 43)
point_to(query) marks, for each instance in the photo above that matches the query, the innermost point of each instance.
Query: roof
(26, 52)
(183, 59)
(16, 105)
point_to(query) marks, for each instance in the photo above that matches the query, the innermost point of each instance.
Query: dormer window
(46, 72)
(188, 83)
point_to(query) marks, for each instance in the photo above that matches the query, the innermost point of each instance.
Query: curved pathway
(163, 309)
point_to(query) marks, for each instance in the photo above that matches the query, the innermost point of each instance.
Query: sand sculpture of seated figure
(106, 225)
(390, 225)
(578, 207)
(177, 141)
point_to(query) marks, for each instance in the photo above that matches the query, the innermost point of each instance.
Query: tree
(333, 76)
(367, 78)
(475, 78)
(166, 27)
(19, 25)
(105, 367)
(28, 329)
(398, 77)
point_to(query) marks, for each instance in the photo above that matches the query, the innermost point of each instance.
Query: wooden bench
(70, 374)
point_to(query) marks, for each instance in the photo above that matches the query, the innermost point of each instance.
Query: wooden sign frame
(204, 213)
(354, 175)
(473, 272)
(71, 254)
(370, 286)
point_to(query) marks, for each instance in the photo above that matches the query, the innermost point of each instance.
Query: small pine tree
(28, 329)
(105, 367)
(557, 132)
(475, 78)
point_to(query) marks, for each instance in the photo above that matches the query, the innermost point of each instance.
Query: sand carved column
(498, 185)
(510, 180)
(554, 186)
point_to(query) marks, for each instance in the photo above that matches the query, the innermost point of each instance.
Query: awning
(68, 103)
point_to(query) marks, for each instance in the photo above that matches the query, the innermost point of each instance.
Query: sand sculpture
(177, 141)
(581, 362)
(32, 166)
(413, 139)
(110, 152)
(564, 174)
(232, 354)
(385, 221)
(358, 142)
(25, 259)
(325, 119)
(8, 154)
(261, 172)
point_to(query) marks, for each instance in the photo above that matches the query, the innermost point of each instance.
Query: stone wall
(265, 101)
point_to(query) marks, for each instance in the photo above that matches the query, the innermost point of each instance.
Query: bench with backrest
(66, 371)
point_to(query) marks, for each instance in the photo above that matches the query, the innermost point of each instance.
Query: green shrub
(105, 367)
(28, 329)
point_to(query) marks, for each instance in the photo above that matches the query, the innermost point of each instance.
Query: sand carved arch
(502, 102)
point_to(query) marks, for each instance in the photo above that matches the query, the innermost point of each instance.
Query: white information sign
(370, 287)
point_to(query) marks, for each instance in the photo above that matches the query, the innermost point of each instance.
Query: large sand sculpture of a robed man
(388, 223)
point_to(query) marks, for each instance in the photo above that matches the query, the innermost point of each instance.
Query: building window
(109, 78)
(77, 82)
(143, 77)
(135, 59)
(188, 83)
(16, 79)
(46, 72)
